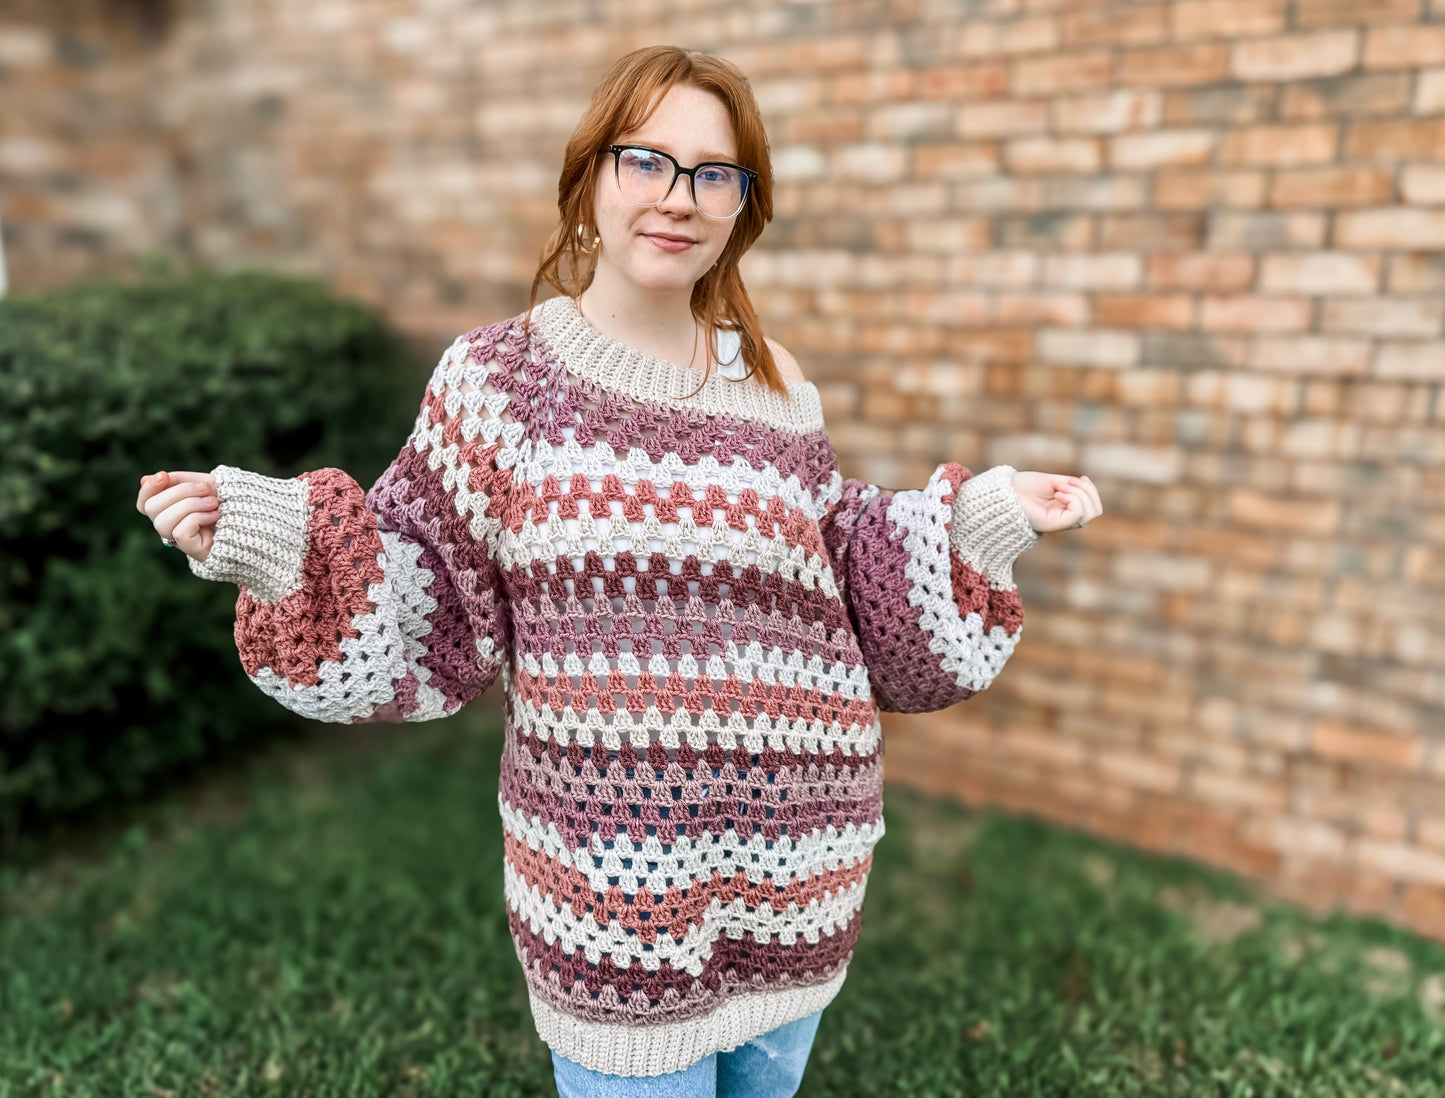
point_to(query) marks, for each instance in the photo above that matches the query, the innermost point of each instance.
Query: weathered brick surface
(1193, 248)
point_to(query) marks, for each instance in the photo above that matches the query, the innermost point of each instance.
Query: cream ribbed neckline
(590, 353)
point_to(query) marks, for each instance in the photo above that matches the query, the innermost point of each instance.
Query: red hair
(623, 100)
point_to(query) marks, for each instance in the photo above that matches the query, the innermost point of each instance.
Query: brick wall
(1192, 248)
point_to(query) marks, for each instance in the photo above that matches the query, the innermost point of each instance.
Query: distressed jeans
(767, 1066)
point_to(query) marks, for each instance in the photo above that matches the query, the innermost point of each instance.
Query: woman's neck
(657, 323)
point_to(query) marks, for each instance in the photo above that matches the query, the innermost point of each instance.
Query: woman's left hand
(1053, 501)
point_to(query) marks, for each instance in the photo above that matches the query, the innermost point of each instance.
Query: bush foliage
(116, 664)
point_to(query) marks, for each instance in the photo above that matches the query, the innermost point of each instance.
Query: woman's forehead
(688, 121)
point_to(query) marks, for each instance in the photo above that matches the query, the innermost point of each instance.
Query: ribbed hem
(659, 1049)
(989, 528)
(260, 534)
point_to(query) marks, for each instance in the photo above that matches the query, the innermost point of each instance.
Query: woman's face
(671, 245)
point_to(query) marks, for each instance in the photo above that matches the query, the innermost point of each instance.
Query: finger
(166, 497)
(149, 486)
(168, 519)
(189, 527)
(1093, 492)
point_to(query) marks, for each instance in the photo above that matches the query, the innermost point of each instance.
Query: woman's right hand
(183, 506)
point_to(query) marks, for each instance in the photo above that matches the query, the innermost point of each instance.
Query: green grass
(331, 922)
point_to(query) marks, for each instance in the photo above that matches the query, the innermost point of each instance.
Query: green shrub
(116, 664)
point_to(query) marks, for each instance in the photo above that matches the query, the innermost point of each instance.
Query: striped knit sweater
(696, 620)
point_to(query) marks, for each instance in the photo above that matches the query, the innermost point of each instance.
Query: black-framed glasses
(645, 176)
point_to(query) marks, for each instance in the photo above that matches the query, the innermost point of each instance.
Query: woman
(624, 501)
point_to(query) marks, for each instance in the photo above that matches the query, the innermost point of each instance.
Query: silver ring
(168, 543)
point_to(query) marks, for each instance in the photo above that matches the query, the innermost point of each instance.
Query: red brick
(1161, 148)
(1319, 273)
(1262, 231)
(963, 82)
(1140, 771)
(1136, 26)
(1201, 270)
(1410, 360)
(1396, 140)
(1095, 192)
(1088, 347)
(1401, 861)
(1046, 231)
(1003, 118)
(1000, 192)
(955, 160)
(1143, 310)
(1033, 34)
(1032, 155)
(1108, 112)
(1391, 227)
(1423, 184)
(1325, 187)
(1220, 105)
(1362, 95)
(1385, 316)
(1417, 273)
(1280, 146)
(1205, 190)
(1175, 65)
(1327, 13)
(1097, 271)
(993, 268)
(1308, 354)
(1041, 309)
(1296, 56)
(1406, 46)
(1150, 232)
(1246, 313)
(1227, 18)
(1063, 72)
(1430, 92)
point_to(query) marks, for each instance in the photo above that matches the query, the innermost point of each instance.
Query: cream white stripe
(773, 666)
(589, 353)
(541, 543)
(809, 923)
(659, 1049)
(639, 729)
(972, 655)
(689, 860)
(386, 646)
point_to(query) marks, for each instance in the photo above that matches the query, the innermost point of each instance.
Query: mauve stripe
(624, 421)
(728, 972)
(840, 795)
(746, 584)
(877, 563)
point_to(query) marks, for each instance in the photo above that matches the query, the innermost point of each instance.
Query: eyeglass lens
(646, 177)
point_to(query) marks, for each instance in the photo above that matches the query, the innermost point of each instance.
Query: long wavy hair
(623, 100)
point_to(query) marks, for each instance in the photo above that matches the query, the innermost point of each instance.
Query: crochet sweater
(696, 620)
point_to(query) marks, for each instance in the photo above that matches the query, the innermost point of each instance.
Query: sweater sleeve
(927, 578)
(385, 604)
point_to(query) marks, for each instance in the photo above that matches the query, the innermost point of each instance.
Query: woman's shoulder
(787, 364)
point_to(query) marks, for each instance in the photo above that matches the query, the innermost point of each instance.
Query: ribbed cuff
(989, 528)
(260, 534)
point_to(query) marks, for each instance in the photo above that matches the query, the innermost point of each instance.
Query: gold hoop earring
(596, 240)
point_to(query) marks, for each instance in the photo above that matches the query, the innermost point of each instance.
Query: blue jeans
(767, 1066)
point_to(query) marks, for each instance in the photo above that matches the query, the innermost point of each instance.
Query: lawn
(328, 920)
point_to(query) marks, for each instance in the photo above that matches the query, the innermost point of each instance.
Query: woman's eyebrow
(702, 158)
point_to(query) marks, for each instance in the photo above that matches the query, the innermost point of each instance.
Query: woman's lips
(670, 245)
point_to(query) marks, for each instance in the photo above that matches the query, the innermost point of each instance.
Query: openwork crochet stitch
(696, 620)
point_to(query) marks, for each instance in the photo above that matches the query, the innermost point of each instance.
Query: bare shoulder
(787, 364)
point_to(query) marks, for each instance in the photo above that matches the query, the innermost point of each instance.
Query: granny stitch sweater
(696, 619)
